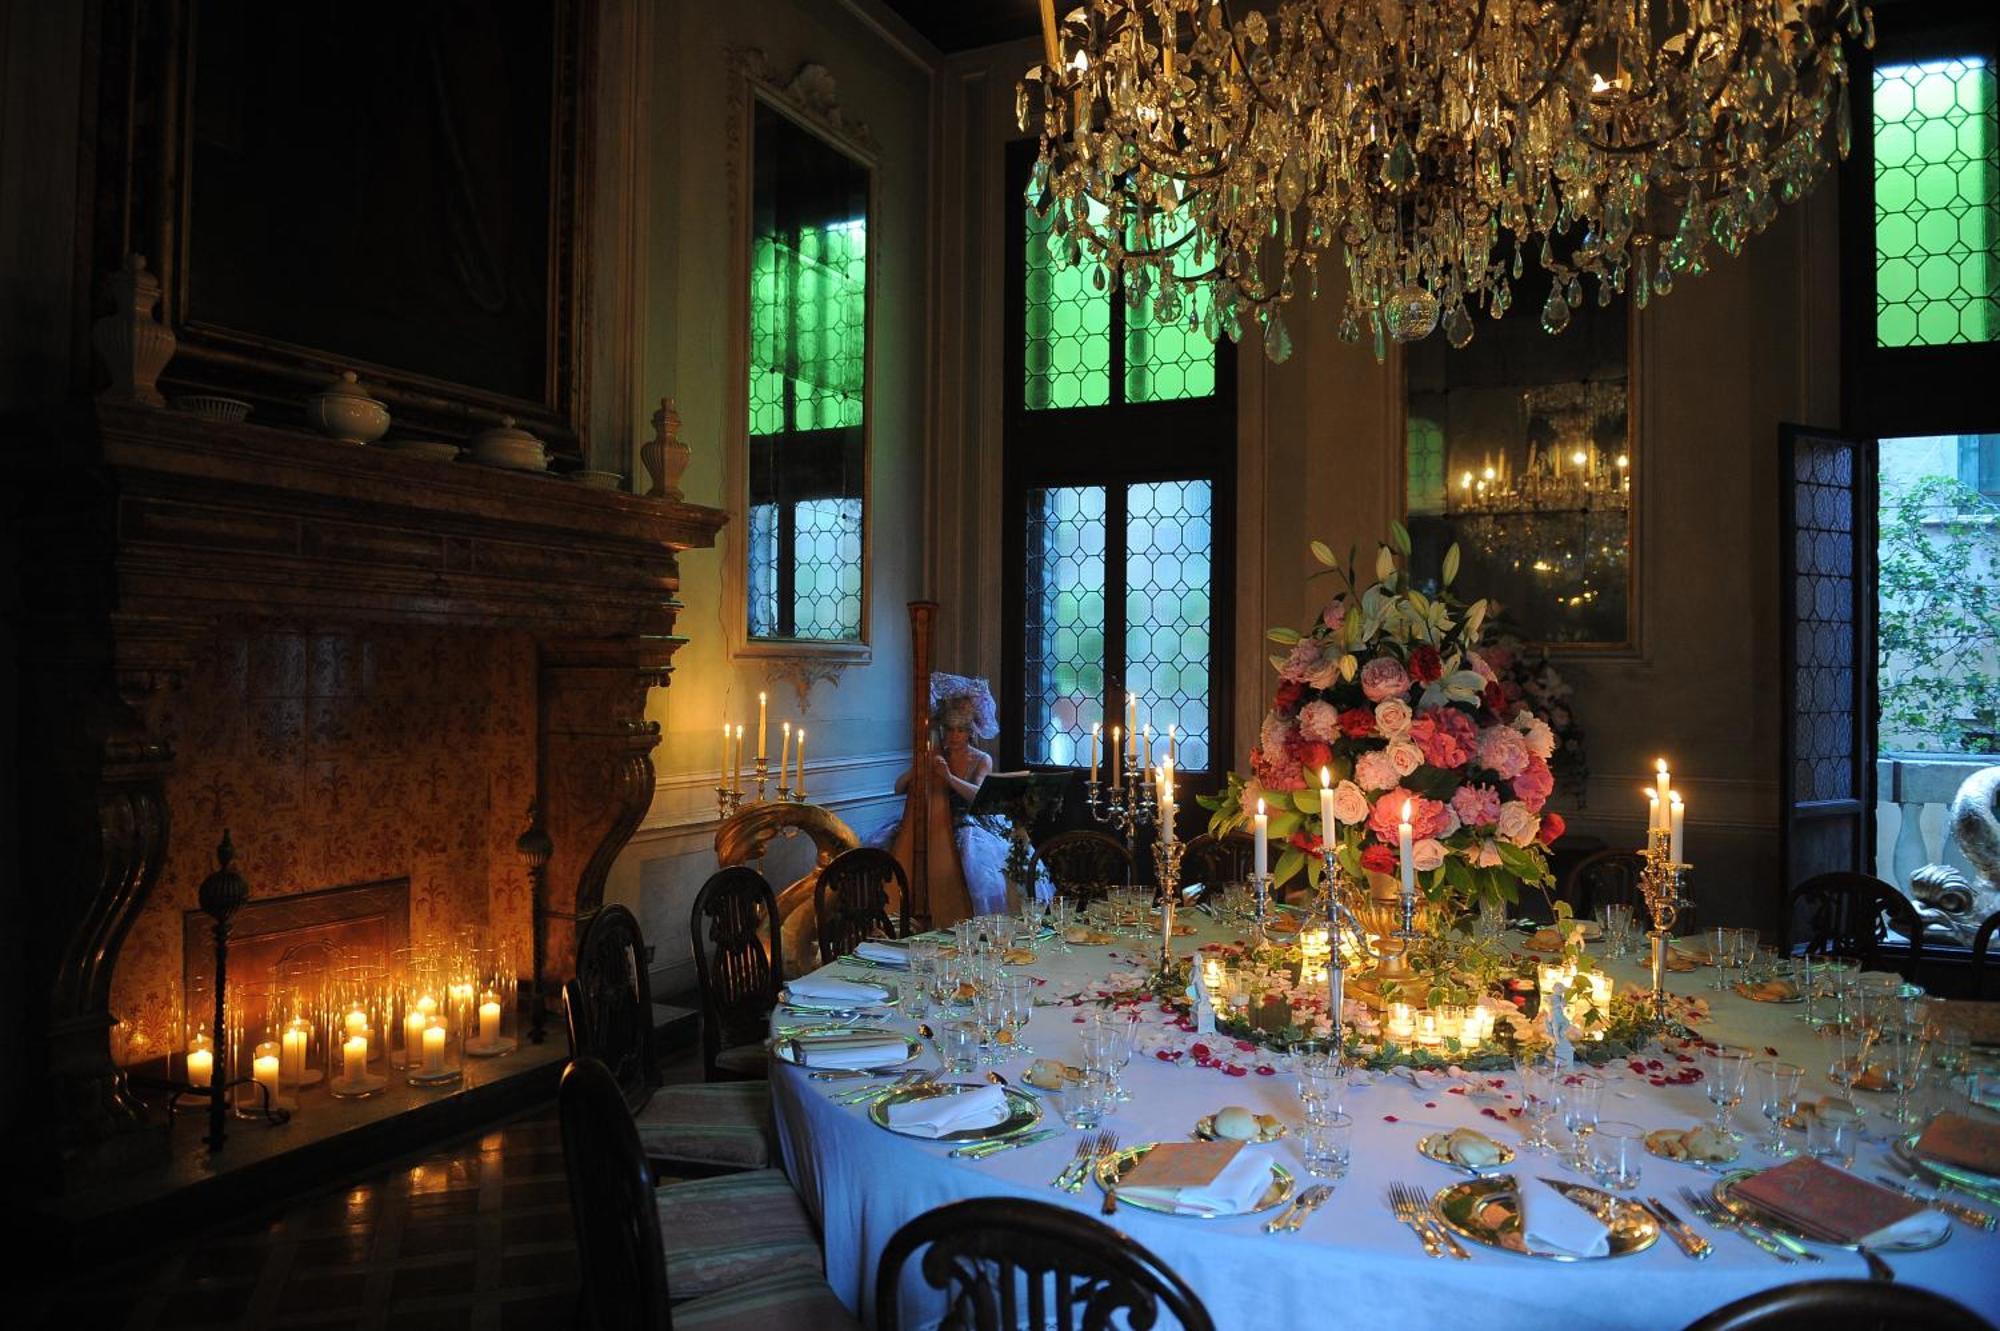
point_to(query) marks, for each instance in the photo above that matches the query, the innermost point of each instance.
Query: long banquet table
(864, 1183)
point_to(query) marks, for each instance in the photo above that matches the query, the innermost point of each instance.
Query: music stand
(1020, 798)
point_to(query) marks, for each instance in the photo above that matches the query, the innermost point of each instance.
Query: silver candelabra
(1339, 916)
(1167, 862)
(1662, 883)
(729, 800)
(1127, 805)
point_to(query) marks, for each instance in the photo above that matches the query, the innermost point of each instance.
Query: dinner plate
(1725, 1193)
(787, 1051)
(809, 1004)
(1269, 1129)
(1488, 1211)
(1111, 1168)
(1742, 990)
(1712, 1166)
(1986, 1185)
(1433, 1147)
(1023, 1112)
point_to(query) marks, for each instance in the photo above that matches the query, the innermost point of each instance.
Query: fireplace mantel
(146, 529)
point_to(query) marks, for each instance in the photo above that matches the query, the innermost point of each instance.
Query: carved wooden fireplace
(363, 665)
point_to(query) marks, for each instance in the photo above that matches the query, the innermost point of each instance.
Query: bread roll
(1237, 1124)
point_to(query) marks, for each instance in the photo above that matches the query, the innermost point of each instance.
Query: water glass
(1541, 1097)
(1777, 1100)
(960, 1045)
(1582, 1092)
(1617, 1150)
(1832, 1138)
(1327, 1145)
(1020, 994)
(1616, 918)
(1084, 1102)
(1853, 1047)
(1724, 1072)
(1322, 1085)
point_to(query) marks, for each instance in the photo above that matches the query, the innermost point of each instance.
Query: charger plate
(1113, 1167)
(1433, 1146)
(787, 1052)
(810, 1004)
(1023, 1112)
(1725, 1194)
(1985, 1185)
(1488, 1211)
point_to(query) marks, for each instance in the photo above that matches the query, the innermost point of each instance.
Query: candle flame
(1406, 811)
(1325, 777)
(1096, 726)
(1260, 808)
(1673, 798)
(760, 697)
(1660, 766)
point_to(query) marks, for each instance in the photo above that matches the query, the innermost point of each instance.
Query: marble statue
(1952, 905)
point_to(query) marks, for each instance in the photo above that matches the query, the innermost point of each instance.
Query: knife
(1691, 1243)
(1971, 1215)
(980, 1150)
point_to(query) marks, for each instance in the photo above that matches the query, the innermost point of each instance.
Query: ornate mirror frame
(809, 100)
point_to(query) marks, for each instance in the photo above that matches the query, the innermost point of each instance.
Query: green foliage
(1939, 617)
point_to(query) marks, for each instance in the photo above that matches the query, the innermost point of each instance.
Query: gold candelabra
(730, 800)
(1662, 883)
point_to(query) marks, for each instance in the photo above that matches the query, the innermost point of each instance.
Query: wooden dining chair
(621, 1219)
(1012, 1262)
(739, 959)
(1982, 944)
(853, 901)
(1843, 1305)
(689, 1128)
(1083, 862)
(1851, 914)
(1216, 861)
(1606, 877)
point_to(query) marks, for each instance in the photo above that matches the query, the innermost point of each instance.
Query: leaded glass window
(1065, 604)
(1937, 203)
(1168, 586)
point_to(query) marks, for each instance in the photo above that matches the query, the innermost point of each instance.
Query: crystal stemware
(1778, 1100)
(1582, 1093)
(1724, 1071)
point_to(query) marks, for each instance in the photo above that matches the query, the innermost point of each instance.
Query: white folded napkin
(889, 954)
(827, 988)
(1914, 1229)
(1551, 1222)
(1238, 1188)
(849, 1051)
(935, 1115)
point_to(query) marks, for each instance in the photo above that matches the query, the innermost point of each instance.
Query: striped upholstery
(800, 1301)
(745, 1060)
(724, 1123)
(722, 1232)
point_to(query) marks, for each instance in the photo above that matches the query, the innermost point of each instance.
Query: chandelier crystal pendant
(1192, 146)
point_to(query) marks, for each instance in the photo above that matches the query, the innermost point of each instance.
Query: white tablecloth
(864, 1183)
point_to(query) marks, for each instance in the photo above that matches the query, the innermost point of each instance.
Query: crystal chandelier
(1441, 143)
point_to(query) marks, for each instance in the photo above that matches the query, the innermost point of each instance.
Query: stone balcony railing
(1914, 803)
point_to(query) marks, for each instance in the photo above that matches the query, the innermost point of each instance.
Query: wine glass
(1778, 1099)
(1721, 955)
(1723, 1073)
(1540, 1098)
(1020, 991)
(1582, 1092)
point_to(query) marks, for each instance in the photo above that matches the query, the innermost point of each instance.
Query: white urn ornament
(507, 445)
(346, 412)
(135, 345)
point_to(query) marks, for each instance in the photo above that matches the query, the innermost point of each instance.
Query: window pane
(808, 296)
(1167, 611)
(1937, 203)
(826, 598)
(1165, 359)
(1068, 327)
(1065, 629)
(763, 540)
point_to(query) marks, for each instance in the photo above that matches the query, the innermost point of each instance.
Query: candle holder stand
(1663, 884)
(731, 800)
(1339, 916)
(1167, 862)
(1126, 805)
(1260, 887)
(220, 896)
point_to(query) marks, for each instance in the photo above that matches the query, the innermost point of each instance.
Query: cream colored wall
(680, 255)
(1722, 361)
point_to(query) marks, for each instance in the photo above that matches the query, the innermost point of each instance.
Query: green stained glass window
(808, 348)
(1167, 355)
(1068, 327)
(1168, 546)
(1937, 203)
(1065, 630)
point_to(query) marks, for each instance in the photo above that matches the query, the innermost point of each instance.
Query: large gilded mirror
(805, 518)
(1521, 449)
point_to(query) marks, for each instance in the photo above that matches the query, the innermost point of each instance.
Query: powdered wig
(961, 700)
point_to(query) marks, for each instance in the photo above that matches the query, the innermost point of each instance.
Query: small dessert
(1769, 991)
(1700, 1144)
(966, 990)
(1046, 1073)
(1546, 940)
(1018, 956)
(1472, 1148)
(1087, 936)
(1667, 1143)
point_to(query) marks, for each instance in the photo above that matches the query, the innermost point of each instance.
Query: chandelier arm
(1554, 79)
(1656, 144)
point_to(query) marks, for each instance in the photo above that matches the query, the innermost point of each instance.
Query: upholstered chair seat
(724, 1123)
(735, 1228)
(799, 1301)
(744, 1060)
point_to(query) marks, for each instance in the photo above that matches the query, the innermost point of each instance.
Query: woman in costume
(968, 854)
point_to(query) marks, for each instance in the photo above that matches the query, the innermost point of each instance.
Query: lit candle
(1261, 831)
(298, 1034)
(1662, 788)
(1428, 1032)
(784, 751)
(434, 1048)
(1403, 845)
(1167, 805)
(1677, 813)
(722, 772)
(413, 1032)
(489, 1017)
(761, 725)
(357, 1022)
(736, 781)
(1131, 720)
(264, 1069)
(427, 1005)
(1326, 806)
(1470, 1031)
(1117, 754)
(201, 1062)
(1173, 746)
(800, 759)
(1652, 808)
(1149, 744)
(354, 1058)
(1095, 726)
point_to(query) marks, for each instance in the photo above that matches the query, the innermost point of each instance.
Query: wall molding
(1614, 803)
(683, 807)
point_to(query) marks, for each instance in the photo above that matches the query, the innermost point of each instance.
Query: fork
(869, 1094)
(1723, 1218)
(1107, 1145)
(1302, 1206)
(1076, 1162)
(1421, 1200)
(1403, 1202)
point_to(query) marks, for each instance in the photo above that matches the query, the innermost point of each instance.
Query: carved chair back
(1082, 863)
(1215, 861)
(1982, 944)
(611, 1202)
(738, 970)
(1851, 914)
(1604, 878)
(853, 901)
(613, 1023)
(1006, 1262)
(1842, 1305)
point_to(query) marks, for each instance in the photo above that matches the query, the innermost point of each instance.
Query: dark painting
(373, 180)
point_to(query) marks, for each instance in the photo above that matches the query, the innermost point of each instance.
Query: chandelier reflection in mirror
(1613, 139)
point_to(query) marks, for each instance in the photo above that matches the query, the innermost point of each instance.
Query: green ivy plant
(1938, 620)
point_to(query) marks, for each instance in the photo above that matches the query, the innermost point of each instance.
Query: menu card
(1955, 1139)
(1828, 1204)
(1206, 1178)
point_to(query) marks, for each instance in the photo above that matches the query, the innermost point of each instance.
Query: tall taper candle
(1261, 825)
(761, 715)
(722, 777)
(1095, 727)
(1403, 845)
(1325, 806)
(1677, 813)
(800, 786)
(1149, 745)
(1167, 805)
(1117, 754)
(736, 782)
(1663, 786)
(784, 751)
(1173, 746)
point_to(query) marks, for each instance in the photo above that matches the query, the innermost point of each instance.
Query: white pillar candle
(427, 1005)
(264, 1069)
(354, 1058)
(784, 751)
(1095, 727)
(762, 714)
(1261, 830)
(489, 1017)
(297, 1036)
(413, 1032)
(1326, 805)
(799, 757)
(1403, 846)
(1677, 813)
(434, 1035)
(1662, 789)
(201, 1063)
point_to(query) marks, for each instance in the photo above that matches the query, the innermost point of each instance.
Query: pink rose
(1476, 806)
(1303, 661)
(1374, 771)
(1541, 740)
(1320, 720)
(1446, 736)
(1517, 823)
(1384, 678)
(1427, 817)
(1350, 805)
(1534, 784)
(1448, 822)
(1426, 855)
(1392, 718)
(1275, 771)
(1335, 612)
(1484, 665)
(1485, 856)
(1406, 756)
(1502, 749)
